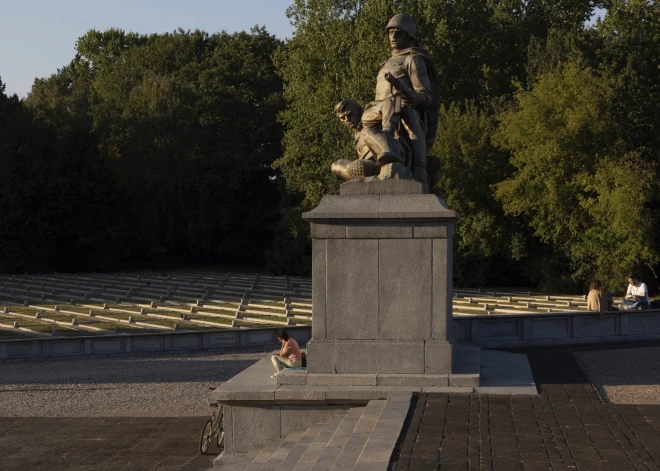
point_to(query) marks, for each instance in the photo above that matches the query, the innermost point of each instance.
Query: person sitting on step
(637, 296)
(597, 300)
(289, 356)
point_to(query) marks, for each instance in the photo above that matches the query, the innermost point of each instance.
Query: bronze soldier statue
(406, 104)
(410, 78)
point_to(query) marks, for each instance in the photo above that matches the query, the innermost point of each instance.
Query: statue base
(387, 186)
(382, 284)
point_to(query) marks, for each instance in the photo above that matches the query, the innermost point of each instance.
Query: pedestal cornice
(381, 208)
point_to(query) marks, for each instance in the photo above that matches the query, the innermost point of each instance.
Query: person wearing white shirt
(637, 295)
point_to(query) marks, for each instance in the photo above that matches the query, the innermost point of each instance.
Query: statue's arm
(420, 81)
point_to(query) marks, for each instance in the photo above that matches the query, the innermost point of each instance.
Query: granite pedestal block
(381, 315)
(382, 284)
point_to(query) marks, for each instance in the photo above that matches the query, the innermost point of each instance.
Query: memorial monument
(381, 269)
(382, 250)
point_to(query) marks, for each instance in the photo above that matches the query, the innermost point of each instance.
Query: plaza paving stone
(567, 426)
(107, 443)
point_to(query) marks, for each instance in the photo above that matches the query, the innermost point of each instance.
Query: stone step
(264, 455)
(233, 462)
(377, 451)
(299, 448)
(467, 361)
(282, 451)
(313, 452)
(505, 373)
(363, 439)
(358, 439)
(337, 442)
(466, 369)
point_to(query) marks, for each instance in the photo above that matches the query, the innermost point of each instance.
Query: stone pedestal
(382, 284)
(382, 320)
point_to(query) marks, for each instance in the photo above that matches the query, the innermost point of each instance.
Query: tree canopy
(546, 129)
(199, 147)
(146, 148)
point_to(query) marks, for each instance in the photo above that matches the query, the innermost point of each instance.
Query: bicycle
(212, 428)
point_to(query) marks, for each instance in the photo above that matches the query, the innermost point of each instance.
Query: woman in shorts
(289, 356)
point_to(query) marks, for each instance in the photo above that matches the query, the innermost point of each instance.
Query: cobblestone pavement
(566, 427)
(115, 414)
(110, 443)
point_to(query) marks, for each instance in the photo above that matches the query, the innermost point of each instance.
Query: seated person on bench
(597, 300)
(637, 296)
(289, 356)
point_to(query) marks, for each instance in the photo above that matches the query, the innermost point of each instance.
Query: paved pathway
(97, 444)
(566, 427)
(115, 414)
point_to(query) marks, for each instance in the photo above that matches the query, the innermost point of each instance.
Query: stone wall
(103, 346)
(557, 329)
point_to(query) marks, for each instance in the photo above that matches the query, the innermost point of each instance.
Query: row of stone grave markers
(91, 303)
(140, 302)
(482, 302)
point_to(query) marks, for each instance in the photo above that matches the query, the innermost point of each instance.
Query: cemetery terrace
(93, 303)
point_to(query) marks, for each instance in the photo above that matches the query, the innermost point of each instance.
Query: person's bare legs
(280, 362)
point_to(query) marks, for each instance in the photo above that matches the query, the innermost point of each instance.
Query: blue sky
(38, 36)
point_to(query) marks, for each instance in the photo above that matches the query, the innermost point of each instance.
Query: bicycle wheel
(221, 430)
(205, 439)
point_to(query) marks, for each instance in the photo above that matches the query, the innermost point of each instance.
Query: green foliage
(56, 197)
(209, 147)
(147, 148)
(193, 135)
(485, 238)
(581, 186)
(628, 39)
(337, 50)
(480, 49)
(333, 56)
(554, 190)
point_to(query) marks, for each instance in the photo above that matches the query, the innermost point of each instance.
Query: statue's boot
(413, 125)
(362, 168)
(350, 169)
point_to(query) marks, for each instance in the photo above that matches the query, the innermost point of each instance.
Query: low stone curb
(68, 348)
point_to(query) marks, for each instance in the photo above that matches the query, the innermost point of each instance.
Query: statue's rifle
(405, 90)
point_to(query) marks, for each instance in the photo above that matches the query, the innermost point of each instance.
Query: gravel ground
(169, 385)
(624, 375)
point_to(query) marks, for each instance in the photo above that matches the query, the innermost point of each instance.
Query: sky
(38, 36)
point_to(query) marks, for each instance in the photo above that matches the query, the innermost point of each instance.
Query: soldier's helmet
(403, 22)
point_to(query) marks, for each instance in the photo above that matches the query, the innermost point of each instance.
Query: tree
(333, 56)
(481, 51)
(582, 187)
(489, 243)
(159, 148)
(192, 130)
